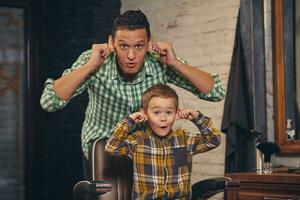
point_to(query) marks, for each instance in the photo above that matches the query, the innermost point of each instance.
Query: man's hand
(166, 51)
(186, 114)
(99, 53)
(138, 117)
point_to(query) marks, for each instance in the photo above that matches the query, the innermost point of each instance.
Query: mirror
(286, 82)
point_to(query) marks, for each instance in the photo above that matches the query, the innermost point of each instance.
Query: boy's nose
(163, 117)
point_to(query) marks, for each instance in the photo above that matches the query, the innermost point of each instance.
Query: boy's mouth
(163, 126)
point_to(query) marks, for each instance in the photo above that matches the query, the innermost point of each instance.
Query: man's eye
(139, 46)
(123, 46)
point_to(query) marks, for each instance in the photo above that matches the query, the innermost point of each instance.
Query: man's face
(161, 115)
(131, 47)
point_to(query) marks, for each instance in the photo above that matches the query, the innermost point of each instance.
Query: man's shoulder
(86, 53)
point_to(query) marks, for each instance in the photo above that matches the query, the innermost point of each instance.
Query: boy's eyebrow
(161, 107)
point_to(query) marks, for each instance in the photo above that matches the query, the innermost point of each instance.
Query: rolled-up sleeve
(49, 100)
(217, 93)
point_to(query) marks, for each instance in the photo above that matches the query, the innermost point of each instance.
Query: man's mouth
(131, 65)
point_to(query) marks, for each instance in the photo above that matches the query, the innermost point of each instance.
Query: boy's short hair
(131, 20)
(160, 90)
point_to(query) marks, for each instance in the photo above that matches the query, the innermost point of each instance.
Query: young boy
(162, 157)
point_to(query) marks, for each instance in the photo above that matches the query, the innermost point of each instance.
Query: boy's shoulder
(179, 133)
(139, 134)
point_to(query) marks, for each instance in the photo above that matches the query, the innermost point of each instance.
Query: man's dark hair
(131, 20)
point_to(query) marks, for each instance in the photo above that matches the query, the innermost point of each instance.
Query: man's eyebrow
(140, 41)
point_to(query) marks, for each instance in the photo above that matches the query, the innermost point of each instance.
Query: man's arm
(57, 93)
(207, 86)
(202, 80)
(65, 86)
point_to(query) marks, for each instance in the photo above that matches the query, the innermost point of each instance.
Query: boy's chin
(162, 134)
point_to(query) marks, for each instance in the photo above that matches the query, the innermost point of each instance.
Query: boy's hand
(138, 117)
(186, 114)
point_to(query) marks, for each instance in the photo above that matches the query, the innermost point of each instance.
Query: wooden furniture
(255, 186)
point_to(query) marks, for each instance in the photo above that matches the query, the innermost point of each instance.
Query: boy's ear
(142, 110)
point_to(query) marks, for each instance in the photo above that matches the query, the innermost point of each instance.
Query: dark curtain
(236, 119)
(244, 117)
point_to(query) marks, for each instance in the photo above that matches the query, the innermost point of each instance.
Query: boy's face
(131, 47)
(161, 114)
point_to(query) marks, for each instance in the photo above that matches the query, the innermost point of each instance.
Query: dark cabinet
(275, 186)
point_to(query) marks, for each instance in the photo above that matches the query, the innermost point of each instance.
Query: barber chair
(117, 174)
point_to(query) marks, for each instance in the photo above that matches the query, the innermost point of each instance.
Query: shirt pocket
(180, 156)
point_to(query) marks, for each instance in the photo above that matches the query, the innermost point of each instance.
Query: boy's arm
(209, 137)
(119, 143)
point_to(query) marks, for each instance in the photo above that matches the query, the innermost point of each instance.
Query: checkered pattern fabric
(162, 166)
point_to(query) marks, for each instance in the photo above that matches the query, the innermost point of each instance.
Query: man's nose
(131, 54)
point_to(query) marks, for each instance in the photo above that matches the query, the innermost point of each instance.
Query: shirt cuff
(199, 119)
(218, 92)
(130, 121)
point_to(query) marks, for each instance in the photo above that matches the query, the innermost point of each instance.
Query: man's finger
(110, 43)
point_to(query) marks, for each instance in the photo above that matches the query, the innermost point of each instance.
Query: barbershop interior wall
(201, 32)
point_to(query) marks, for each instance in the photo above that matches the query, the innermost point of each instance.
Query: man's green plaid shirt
(162, 166)
(111, 97)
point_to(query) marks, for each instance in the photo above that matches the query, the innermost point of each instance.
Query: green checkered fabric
(111, 97)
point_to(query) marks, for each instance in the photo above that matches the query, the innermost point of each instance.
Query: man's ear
(110, 43)
(150, 43)
(142, 110)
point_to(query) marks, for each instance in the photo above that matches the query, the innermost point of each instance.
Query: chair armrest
(89, 190)
(209, 187)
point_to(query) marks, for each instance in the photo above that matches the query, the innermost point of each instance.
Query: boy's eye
(169, 112)
(156, 112)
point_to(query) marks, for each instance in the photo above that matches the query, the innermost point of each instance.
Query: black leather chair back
(116, 170)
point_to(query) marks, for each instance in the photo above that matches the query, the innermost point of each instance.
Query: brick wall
(201, 32)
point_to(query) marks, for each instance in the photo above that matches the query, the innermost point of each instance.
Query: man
(116, 74)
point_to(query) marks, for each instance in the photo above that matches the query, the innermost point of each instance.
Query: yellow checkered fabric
(162, 166)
